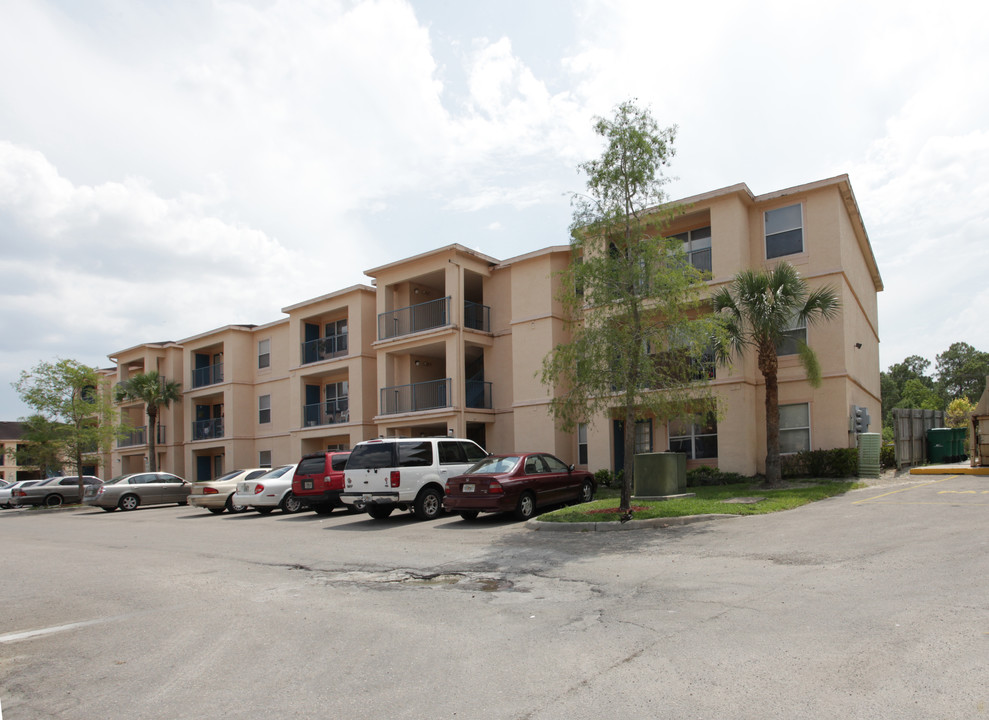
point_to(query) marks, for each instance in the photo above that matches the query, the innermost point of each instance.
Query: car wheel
(469, 514)
(108, 509)
(290, 503)
(129, 502)
(323, 508)
(265, 510)
(216, 511)
(53, 501)
(526, 507)
(231, 508)
(429, 504)
(587, 492)
(380, 512)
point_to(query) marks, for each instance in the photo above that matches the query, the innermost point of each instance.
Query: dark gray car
(127, 492)
(54, 491)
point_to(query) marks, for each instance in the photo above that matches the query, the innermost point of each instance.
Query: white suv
(405, 473)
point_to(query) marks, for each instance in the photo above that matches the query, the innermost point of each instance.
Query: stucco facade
(452, 342)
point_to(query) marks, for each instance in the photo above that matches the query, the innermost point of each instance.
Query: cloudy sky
(171, 167)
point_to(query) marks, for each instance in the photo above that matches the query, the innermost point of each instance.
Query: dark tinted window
(340, 462)
(255, 473)
(418, 454)
(473, 452)
(555, 464)
(312, 466)
(451, 453)
(373, 455)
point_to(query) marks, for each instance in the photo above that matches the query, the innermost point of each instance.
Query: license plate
(307, 484)
(242, 488)
(366, 498)
(467, 487)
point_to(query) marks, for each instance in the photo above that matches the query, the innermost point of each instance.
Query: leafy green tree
(40, 445)
(69, 395)
(957, 414)
(893, 382)
(759, 307)
(155, 392)
(629, 294)
(916, 394)
(961, 372)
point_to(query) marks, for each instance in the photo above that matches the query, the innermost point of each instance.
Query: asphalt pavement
(868, 605)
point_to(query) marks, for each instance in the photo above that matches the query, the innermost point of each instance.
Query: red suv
(318, 480)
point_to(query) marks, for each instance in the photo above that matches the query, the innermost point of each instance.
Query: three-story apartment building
(452, 341)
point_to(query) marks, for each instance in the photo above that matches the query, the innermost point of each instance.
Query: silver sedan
(127, 492)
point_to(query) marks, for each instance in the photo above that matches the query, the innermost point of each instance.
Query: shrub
(834, 463)
(887, 456)
(603, 477)
(704, 475)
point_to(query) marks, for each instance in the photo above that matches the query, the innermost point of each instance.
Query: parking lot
(869, 605)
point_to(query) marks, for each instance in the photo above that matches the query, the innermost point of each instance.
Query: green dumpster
(938, 445)
(960, 435)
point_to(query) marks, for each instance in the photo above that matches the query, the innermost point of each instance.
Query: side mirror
(570, 469)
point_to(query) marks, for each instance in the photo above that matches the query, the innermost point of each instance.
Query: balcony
(330, 412)
(324, 349)
(477, 317)
(207, 429)
(413, 319)
(477, 394)
(139, 436)
(415, 397)
(208, 375)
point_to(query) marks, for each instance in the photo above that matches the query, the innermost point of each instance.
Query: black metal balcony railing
(477, 394)
(207, 429)
(209, 375)
(139, 436)
(324, 349)
(330, 412)
(417, 396)
(405, 321)
(477, 316)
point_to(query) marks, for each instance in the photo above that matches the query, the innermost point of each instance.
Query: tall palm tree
(758, 308)
(155, 392)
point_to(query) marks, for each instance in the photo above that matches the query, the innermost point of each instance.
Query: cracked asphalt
(870, 605)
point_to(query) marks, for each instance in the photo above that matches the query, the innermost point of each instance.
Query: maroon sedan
(516, 483)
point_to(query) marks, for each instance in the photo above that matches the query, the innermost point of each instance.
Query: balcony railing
(417, 396)
(415, 318)
(477, 317)
(209, 375)
(330, 412)
(207, 429)
(139, 436)
(477, 394)
(324, 349)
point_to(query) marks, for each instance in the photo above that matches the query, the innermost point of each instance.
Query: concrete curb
(614, 525)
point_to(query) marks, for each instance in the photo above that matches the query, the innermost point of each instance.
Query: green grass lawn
(709, 500)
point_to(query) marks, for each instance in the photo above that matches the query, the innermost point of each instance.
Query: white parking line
(26, 635)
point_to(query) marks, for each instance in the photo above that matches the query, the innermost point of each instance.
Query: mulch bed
(635, 508)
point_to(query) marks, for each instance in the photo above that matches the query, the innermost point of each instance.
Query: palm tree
(155, 392)
(758, 308)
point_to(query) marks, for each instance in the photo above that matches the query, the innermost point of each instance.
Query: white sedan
(269, 491)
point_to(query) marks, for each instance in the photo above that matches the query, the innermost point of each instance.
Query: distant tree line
(957, 383)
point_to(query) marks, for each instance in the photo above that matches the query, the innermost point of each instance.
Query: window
(451, 453)
(697, 246)
(699, 440)
(335, 338)
(582, 444)
(337, 402)
(784, 231)
(264, 409)
(643, 436)
(418, 454)
(472, 451)
(264, 458)
(264, 353)
(793, 337)
(794, 428)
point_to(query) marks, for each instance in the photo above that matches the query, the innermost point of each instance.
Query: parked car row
(422, 475)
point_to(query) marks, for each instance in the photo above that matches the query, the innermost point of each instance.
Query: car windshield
(494, 464)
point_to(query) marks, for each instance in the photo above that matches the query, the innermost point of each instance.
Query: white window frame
(264, 409)
(582, 444)
(694, 432)
(643, 436)
(689, 249)
(264, 458)
(790, 345)
(264, 353)
(782, 228)
(793, 429)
